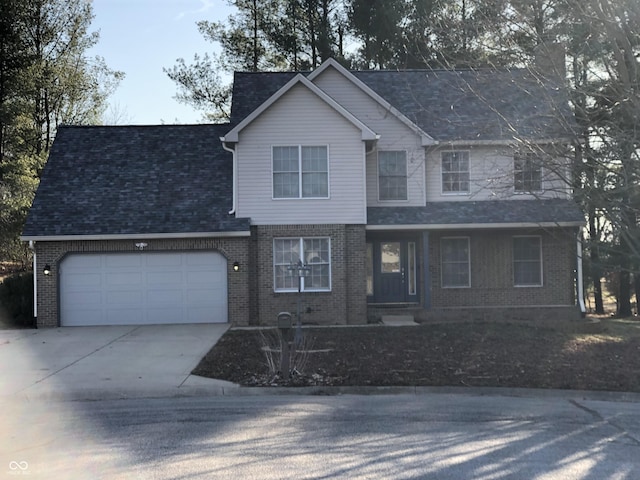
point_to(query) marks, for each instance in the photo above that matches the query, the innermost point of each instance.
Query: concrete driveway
(106, 362)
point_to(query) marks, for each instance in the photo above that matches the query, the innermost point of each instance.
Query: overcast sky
(139, 38)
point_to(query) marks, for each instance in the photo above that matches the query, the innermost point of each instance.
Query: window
(314, 252)
(455, 172)
(369, 269)
(527, 261)
(454, 262)
(411, 249)
(527, 173)
(392, 175)
(300, 172)
(390, 257)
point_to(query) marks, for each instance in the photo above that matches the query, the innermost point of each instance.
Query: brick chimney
(549, 61)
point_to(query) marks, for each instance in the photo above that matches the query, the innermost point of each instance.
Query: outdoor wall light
(47, 269)
(236, 267)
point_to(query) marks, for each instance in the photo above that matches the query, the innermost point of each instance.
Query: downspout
(32, 246)
(579, 279)
(234, 176)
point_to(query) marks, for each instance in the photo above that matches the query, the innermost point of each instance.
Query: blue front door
(393, 268)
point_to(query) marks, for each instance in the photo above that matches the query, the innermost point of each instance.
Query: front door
(393, 269)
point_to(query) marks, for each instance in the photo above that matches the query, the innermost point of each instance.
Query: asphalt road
(440, 436)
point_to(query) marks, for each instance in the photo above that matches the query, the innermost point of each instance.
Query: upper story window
(527, 172)
(455, 262)
(527, 261)
(455, 172)
(300, 172)
(392, 175)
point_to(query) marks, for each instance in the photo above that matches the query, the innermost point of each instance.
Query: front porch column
(426, 272)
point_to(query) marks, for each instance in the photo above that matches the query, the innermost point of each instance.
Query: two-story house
(432, 192)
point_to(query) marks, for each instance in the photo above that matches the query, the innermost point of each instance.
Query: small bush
(16, 295)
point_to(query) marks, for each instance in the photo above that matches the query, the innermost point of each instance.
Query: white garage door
(143, 288)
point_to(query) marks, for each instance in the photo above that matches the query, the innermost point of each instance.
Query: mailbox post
(284, 326)
(301, 270)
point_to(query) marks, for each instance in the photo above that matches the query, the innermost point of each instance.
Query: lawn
(576, 356)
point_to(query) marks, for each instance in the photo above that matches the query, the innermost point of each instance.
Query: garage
(143, 288)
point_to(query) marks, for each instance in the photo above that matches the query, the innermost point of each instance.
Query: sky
(139, 38)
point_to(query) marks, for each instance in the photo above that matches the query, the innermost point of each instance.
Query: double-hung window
(527, 173)
(455, 262)
(300, 172)
(527, 261)
(392, 175)
(314, 252)
(455, 172)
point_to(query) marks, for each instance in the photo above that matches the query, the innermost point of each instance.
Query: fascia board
(474, 226)
(134, 236)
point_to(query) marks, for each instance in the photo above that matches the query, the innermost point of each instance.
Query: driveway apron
(103, 362)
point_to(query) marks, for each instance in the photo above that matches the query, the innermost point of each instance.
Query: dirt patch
(473, 354)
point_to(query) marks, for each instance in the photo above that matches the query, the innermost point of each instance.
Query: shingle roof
(135, 180)
(546, 212)
(472, 105)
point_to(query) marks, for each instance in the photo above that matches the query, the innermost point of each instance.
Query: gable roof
(478, 214)
(462, 106)
(332, 63)
(135, 181)
(366, 132)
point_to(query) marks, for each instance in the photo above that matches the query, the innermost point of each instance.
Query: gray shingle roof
(550, 211)
(135, 180)
(472, 105)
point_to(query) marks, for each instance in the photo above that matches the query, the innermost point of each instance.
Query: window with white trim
(315, 252)
(455, 262)
(527, 173)
(392, 175)
(527, 261)
(455, 172)
(300, 172)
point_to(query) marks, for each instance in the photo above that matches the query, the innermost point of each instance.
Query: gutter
(136, 236)
(235, 174)
(32, 247)
(463, 226)
(579, 275)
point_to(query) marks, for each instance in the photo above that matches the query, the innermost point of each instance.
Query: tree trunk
(312, 33)
(636, 284)
(596, 270)
(255, 35)
(624, 294)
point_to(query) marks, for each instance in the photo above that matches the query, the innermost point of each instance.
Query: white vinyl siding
(394, 136)
(300, 172)
(455, 262)
(527, 261)
(392, 175)
(300, 118)
(314, 252)
(491, 177)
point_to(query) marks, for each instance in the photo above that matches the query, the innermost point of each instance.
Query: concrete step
(398, 320)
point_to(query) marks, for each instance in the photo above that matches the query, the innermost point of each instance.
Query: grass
(603, 356)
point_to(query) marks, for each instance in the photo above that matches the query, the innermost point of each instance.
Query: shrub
(16, 295)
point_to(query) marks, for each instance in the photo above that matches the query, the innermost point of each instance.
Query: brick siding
(234, 249)
(344, 304)
(492, 270)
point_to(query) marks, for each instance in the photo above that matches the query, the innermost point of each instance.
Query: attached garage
(143, 288)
